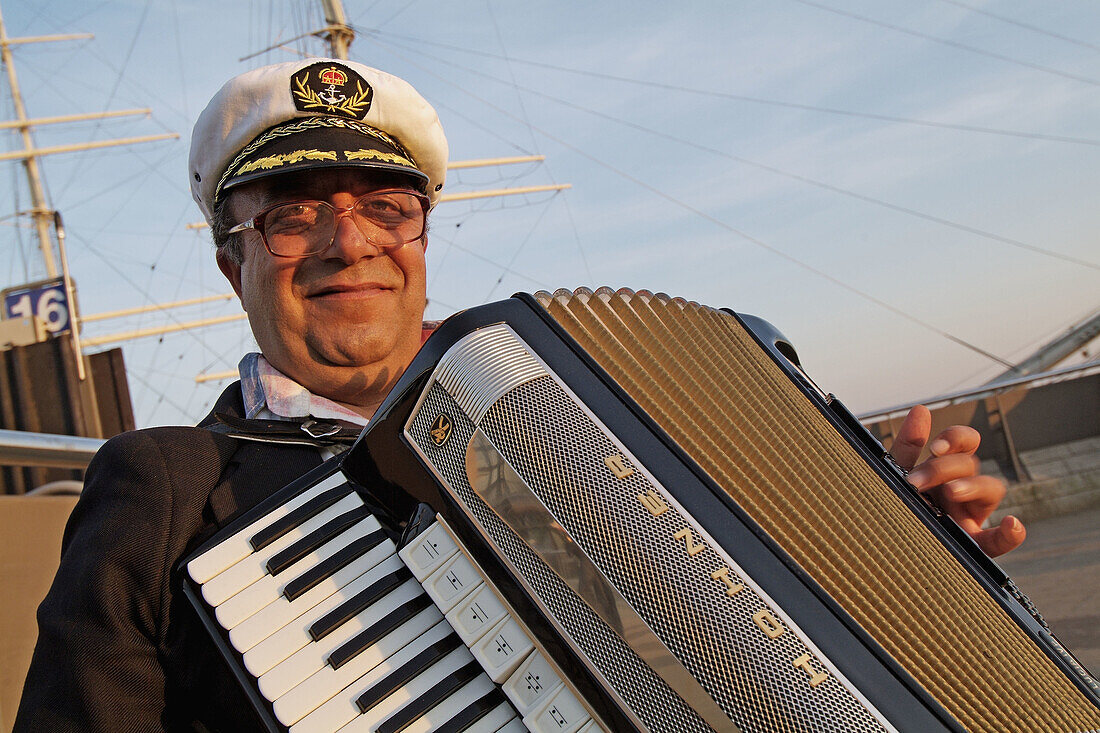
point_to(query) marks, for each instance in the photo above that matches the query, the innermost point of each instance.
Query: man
(316, 177)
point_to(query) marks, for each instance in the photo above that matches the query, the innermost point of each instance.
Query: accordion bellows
(700, 376)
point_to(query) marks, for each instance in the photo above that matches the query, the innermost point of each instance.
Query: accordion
(649, 518)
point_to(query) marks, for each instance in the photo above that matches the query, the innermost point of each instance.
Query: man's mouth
(348, 290)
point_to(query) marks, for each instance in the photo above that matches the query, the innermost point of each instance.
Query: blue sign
(44, 299)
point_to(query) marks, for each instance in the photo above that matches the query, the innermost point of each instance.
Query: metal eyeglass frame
(256, 223)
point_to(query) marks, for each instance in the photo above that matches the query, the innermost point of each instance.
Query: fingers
(940, 470)
(955, 439)
(1007, 536)
(912, 435)
(972, 498)
(951, 475)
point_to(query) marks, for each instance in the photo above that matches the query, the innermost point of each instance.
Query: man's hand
(951, 477)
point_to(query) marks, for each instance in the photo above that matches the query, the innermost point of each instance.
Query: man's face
(343, 323)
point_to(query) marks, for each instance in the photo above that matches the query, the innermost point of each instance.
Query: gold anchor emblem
(440, 430)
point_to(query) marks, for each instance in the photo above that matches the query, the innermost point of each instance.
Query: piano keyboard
(337, 630)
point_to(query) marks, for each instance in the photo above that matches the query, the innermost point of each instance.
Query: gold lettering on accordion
(618, 466)
(693, 547)
(769, 624)
(440, 430)
(653, 503)
(723, 576)
(803, 663)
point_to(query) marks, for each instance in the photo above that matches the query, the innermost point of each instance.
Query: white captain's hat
(312, 114)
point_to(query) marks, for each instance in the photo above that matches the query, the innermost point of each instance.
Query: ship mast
(41, 213)
(338, 33)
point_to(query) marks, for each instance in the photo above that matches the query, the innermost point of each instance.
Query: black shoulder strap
(308, 432)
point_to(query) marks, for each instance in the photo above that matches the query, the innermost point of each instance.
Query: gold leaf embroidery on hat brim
(281, 159)
(363, 154)
(308, 123)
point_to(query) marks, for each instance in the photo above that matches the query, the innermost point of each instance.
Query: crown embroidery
(333, 89)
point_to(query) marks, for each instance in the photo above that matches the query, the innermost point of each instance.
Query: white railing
(19, 448)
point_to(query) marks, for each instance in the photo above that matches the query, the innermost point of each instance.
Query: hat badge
(327, 88)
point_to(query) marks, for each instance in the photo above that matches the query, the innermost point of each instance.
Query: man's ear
(232, 272)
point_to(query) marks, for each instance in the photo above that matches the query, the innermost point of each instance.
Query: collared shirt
(271, 395)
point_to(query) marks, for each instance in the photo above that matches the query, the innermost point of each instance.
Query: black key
(401, 676)
(283, 560)
(473, 712)
(330, 565)
(449, 684)
(297, 517)
(353, 606)
(369, 636)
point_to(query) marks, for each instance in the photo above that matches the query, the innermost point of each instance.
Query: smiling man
(317, 178)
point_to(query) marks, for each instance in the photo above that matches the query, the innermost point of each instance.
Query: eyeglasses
(387, 219)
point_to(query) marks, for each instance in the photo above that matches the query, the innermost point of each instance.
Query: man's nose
(349, 242)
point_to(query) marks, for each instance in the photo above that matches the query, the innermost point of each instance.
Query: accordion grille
(709, 386)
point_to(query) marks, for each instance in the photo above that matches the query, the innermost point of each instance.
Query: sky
(897, 186)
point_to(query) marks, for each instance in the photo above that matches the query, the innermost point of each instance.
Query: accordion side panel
(706, 382)
(640, 689)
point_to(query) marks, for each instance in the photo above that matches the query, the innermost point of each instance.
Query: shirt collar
(270, 394)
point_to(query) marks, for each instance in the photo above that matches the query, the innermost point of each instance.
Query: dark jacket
(119, 647)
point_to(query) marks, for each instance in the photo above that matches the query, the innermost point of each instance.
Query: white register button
(473, 617)
(452, 582)
(502, 649)
(559, 713)
(428, 551)
(533, 682)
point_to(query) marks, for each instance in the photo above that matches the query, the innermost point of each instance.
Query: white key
(416, 687)
(534, 681)
(502, 649)
(474, 616)
(515, 725)
(493, 720)
(295, 635)
(279, 613)
(235, 548)
(265, 590)
(468, 694)
(559, 713)
(592, 727)
(250, 569)
(352, 680)
(452, 582)
(304, 662)
(428, 551)
(453, 660)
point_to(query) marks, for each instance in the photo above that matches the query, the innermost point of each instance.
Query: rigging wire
(179, 57)
(78, 168)
(129, 281)
(724, 225)
(511, 74)
(1028, 26)
(530, 233)
(390, 19)
(161, 394)
(947, 42)
(801, 178)
(506, 269)
(534, 142)
(746, 98)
